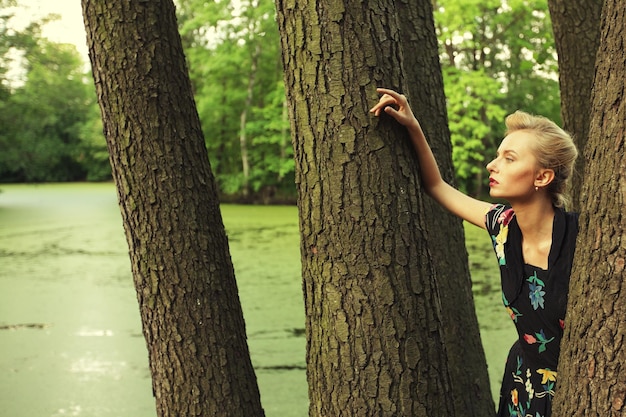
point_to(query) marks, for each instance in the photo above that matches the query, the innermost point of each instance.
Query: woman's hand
(395, 105)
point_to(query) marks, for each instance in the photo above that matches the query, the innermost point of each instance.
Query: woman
(533, 238)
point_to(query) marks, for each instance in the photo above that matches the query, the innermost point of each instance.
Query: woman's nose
(491, 165)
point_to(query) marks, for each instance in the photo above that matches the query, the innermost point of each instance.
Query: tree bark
(576, 26)
(375, 329)
(592, 381)
(186, 289)
(422, 70)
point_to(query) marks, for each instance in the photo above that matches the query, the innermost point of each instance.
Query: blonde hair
(554, 149)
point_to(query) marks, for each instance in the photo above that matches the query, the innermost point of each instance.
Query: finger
(391, 111)
(375, 109)
(389, 92)
(384, 102)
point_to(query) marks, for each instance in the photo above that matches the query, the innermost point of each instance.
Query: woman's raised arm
(458, 203)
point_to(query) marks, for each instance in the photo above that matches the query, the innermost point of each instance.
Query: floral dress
(536, 301)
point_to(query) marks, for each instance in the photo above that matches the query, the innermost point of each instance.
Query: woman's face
(513, 172)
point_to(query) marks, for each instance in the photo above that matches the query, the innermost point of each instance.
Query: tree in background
(576, 26)
(592, 381)
(375, 338)
(6, 43)
(190, 310)
(48, 112)
(46, 107)
(424, 86)
(233, 53)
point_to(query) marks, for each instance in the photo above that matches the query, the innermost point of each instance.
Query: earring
(536, 188)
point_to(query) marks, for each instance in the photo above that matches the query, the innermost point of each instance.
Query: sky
(69, 29)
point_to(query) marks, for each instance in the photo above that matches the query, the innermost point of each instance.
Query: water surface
(70, 328)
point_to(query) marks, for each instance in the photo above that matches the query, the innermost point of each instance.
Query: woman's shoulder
(499, 215)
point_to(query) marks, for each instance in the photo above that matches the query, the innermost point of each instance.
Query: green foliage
(49, 112)
(93, 151)
(497, 57)
(270, 130)
(471, 117)
(234, 63)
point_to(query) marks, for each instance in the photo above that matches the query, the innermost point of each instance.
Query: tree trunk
(243, 139)
(592, 381)
(375, 329)
(576, 26)
(186, 289)
(468, 367)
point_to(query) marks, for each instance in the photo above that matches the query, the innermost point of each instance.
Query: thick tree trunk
(192, 319)
(375, 329)
(592, 381)
(576, 26)
(466, 360)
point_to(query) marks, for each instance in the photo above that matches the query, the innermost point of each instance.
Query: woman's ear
(544, 177)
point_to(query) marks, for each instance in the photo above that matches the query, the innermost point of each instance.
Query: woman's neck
(535, 222)
(535, 218)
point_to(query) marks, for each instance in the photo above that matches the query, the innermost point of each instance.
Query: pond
(70, 328)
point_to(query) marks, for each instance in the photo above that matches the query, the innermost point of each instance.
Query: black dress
(536, 300)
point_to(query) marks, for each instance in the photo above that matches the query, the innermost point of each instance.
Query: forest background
(497, 56)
